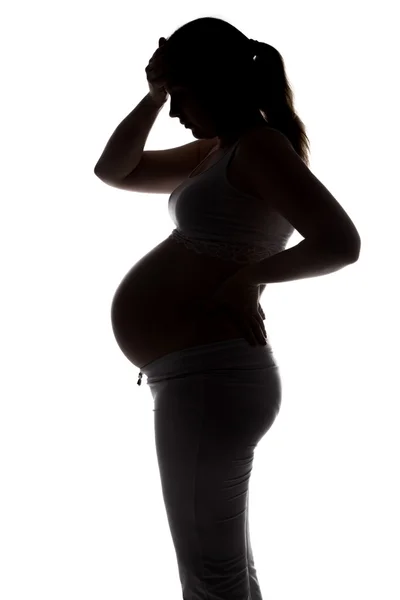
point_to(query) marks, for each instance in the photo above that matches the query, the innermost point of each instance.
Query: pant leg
(255, 591)
(207, 426)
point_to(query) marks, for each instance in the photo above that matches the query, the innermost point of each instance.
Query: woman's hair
(209, 54)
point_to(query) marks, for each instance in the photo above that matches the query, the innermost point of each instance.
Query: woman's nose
(175, 113)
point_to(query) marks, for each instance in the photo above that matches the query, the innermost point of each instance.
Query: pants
(212, 405)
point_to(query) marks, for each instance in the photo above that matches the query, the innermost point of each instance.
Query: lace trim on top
(239, 252)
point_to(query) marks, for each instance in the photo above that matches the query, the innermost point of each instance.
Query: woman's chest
(237, 169)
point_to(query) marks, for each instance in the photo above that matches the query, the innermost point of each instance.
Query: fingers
(260, 330)
(260, 310)
(156, 64)
(263, 333)
(254, 331)
(263, 327)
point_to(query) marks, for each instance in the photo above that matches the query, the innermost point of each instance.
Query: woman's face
(205, 122)
(187, 108)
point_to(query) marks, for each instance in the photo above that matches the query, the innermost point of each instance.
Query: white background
(82, 515)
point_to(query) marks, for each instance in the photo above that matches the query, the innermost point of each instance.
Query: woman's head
(222, 85)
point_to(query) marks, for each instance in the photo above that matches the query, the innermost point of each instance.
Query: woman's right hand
(154, 73)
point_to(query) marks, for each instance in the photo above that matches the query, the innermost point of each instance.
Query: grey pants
(212, 405)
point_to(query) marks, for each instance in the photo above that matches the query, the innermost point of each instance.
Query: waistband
(229, 354)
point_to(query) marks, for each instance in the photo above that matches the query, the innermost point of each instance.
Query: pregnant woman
(187, 315)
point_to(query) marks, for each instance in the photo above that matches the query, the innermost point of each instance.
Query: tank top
(212, 217)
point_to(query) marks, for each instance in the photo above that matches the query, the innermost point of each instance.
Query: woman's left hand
(240, 299)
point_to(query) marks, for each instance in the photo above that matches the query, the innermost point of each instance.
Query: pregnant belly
(156, 308)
